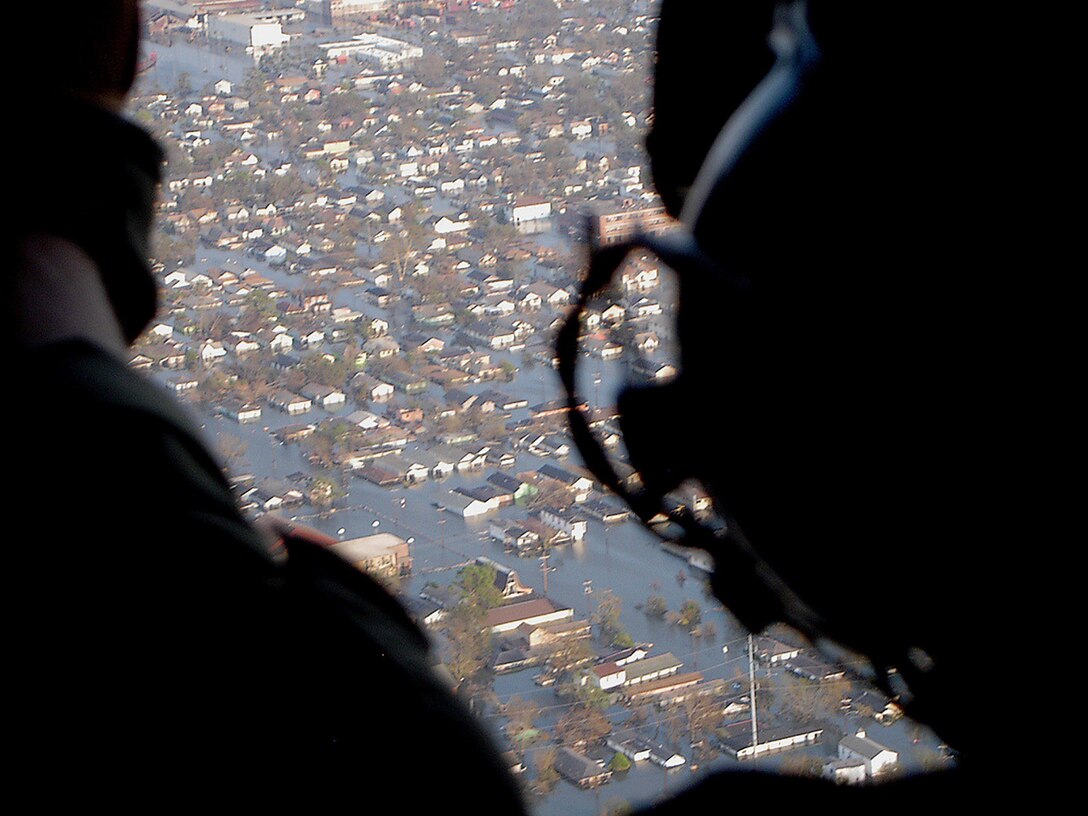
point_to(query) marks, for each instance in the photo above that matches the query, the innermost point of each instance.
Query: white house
(287, 402)
(607, 676)
(246, 345)
(877, 758)
(331, 399)
(645, 308)
(367, 420)
(211, 351)
(242, 412)
(666, 757)
(466, 506)
(176, 279)
(275, 254)
(529, 208)
(373, 388)
(845, 771)
(635, 748)
(446, 226)
(574, 525)
(281, 343)
(581, 129)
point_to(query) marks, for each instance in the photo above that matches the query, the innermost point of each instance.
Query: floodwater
(198, 64)
(625, 559)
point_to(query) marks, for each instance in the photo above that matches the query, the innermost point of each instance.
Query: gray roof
(863, 746)
(576, 766)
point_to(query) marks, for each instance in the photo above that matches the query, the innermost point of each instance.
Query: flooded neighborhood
(371, 228)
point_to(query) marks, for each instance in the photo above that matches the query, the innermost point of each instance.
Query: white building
(445, 225)
(385, 52)
(248, 412)
(877, 758)
(529, 208)
(573, 524)
(607, 676)
(772, 740)
(535, 612)
(651, 668)
(845, 771)
(211, 351)
(258, 35)
(334, 11)
(466, 506)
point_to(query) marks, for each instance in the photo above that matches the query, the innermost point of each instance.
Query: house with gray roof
(580, 769)
(878, 759)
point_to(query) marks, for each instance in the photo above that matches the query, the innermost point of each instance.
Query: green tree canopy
(620, 763)
(476, 584)
(690, 614)
(468, 640)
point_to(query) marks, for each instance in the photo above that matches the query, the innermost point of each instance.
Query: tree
(215, 386)
(171, 252)
(690, 614)
(807, 700)
(546, 774)
(801, 765)
(320, 369)
(656, 607)
(623, 640)
(703, 713)
(492, 427)
(261, 302)
(619, 763)
(593, 697)
(551, 493)
(324, 491)
(476, 584)
(431, 69)
(569, 653)
(468, 640)
(401, 249)
(607, 615)
(521, 713)
(582, 724)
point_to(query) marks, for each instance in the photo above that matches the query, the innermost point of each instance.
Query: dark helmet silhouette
(838, 392)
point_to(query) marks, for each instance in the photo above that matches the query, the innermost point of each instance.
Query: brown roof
(529, 201)
(519, 611)
(605, 669)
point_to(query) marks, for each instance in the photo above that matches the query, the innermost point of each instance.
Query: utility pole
(544, 567)
(752, 693)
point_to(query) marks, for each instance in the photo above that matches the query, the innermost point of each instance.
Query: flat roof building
(258, 35)
(383, 554)
(622, 223)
